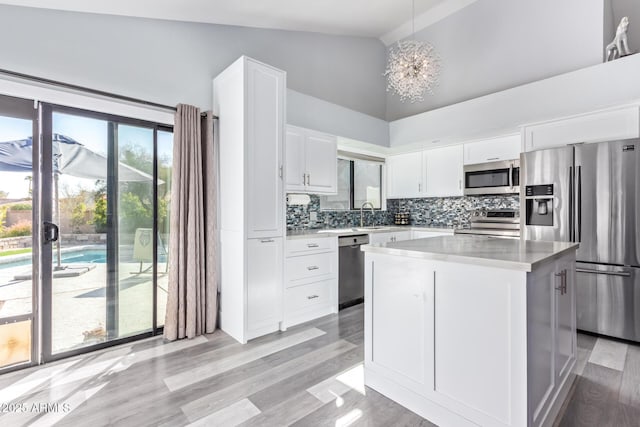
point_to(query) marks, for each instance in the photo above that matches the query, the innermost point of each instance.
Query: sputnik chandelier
(413, 68)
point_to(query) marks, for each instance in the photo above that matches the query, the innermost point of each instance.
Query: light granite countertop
(352, 231)
(512, 254)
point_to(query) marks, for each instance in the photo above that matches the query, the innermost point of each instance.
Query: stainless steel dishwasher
(351, 270)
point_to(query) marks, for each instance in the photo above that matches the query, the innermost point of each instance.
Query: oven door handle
(607, 273)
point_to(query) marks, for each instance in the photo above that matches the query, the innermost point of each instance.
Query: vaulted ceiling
(388, 20)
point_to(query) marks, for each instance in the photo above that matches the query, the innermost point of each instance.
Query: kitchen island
(469, 330)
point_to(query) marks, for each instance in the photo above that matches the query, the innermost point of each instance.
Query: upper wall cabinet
(430, 173)
(405, 177)
(622, 123)
(492, 150)
(443, 171)
(312, 161)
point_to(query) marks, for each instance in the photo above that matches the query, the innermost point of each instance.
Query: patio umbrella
(70, 158)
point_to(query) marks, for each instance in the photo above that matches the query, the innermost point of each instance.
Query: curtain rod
(89, 90)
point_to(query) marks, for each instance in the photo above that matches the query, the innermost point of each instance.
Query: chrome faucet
(362, 212)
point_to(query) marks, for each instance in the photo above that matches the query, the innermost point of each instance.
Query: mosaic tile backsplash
(450, 211)
(435, 212)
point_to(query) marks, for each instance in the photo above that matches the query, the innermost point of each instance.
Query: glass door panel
(17, 290)
(78, 203)
(164, 167)
(135, 213)
(107, 206)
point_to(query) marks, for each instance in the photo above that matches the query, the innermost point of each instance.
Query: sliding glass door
(18, 231)
(84, 230)
(103, 253)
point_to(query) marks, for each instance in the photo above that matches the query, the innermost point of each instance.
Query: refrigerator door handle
(607, 273)
(572, 230)
(579, 204)
(511, 175)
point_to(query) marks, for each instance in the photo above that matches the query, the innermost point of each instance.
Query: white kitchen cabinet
(311, 279)
(429, 173)
(443, 171)
(405, 176)
(401, 319)
(389, 237)
(312, 161)
(422, 234)
(264, 285)
(493, 150)
(296, 175)
(616, 124)
(418, 332)
(249, 99)
(565, 326)
(551, 320)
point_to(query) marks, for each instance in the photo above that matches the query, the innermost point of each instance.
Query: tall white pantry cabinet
(249, 99)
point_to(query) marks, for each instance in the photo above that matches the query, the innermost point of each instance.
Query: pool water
(85, 256)
(88, 256)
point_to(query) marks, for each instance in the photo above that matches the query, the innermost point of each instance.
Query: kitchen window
(359, 181)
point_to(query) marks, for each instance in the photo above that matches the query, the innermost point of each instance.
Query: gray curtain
(192, 294)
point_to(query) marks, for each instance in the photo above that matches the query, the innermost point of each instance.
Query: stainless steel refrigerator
(590, 193)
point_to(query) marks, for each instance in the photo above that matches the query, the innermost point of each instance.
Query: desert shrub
(20, 229)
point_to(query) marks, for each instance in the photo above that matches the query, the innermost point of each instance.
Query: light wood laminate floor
(310, 375)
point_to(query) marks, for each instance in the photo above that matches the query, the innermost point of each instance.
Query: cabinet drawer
(308, 296)
(302, 246)
(310, 267)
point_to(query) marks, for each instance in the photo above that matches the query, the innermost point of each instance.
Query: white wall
(172, 62)
(313, 113)
(492, 45)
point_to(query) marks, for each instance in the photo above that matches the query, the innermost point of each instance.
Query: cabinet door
(404, 176)
(443, 169)
(265, 127)
(623, 123)
(401, 321)
(540, 341)
(295, 170)
(377, 238)
(492, 150)
(399, 236)
(321, 163)
(264, 284)
(417, 234)
(565, 320)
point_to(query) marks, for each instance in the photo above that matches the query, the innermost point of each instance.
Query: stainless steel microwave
(492, 178)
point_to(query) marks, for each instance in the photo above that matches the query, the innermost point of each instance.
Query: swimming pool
(84, 255)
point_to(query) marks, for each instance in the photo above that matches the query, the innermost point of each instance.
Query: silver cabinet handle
(267, 241)
(493, 158)
(313, 267)
(304, 179)
(312, 245)
(606, 273)
(281, 168)
(308, 179)
(419, 187)
(459, 184)
(313, 296)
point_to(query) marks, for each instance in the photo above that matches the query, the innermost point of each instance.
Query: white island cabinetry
(465, 342)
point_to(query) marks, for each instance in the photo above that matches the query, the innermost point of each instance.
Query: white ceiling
(389, 20)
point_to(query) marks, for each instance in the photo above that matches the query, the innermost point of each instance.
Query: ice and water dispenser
(539, 204)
